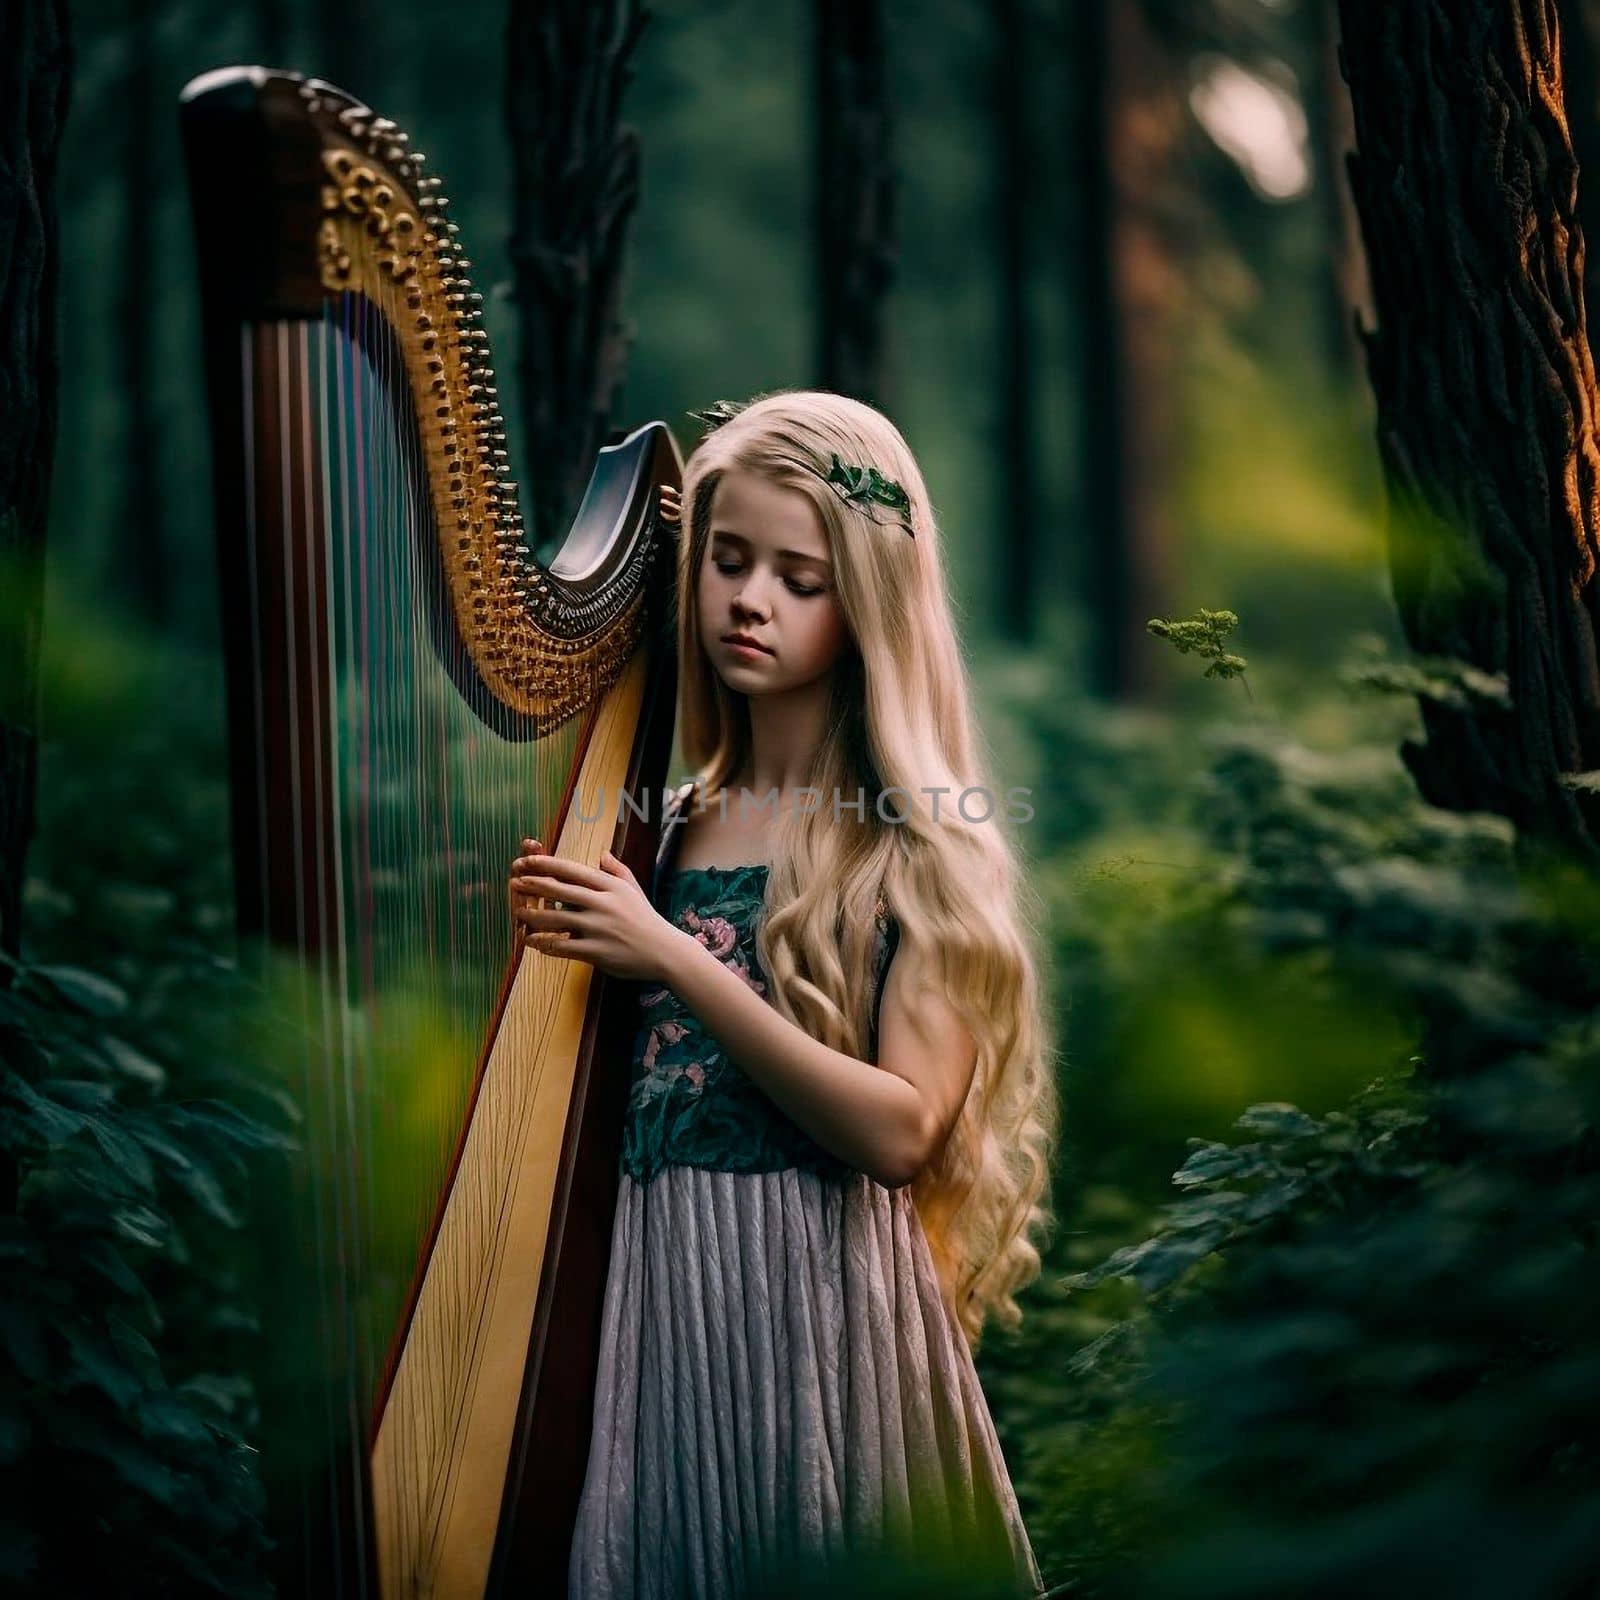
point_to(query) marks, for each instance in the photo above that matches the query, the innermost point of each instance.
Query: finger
(554, 944)
(572, 872)
(554, 889)
(544, 917)
(611, 863)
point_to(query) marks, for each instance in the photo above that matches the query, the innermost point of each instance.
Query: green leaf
(161, 1416)
(717, 413)
(143, 1226)
(82, 989)
(133, 1063)
(104, 1257)
(136, 1348)
(1280, 1118)
(1152, 1263)
(81, 1093)
(224, 1393)
(138, 1467)
(862, 485)
(96, 1360)
(228, 1122)
(191, 1174)
(129, 1164)
(1207, 1165)
(52, 1124)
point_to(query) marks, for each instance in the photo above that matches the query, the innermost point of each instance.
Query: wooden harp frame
(303, 196)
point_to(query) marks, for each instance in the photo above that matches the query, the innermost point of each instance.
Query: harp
(410, 693)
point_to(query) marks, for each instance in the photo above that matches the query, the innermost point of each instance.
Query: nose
(746, 604)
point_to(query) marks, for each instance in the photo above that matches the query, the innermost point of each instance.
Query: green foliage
(128, 1472)
(717, 413)
(864, 484)
(1235, 1191)
(1356, 1353)
(134, 1130)
(1443, 680)
(1399, 1379)
(1203, 635)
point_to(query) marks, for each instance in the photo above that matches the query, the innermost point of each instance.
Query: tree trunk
(1017, 549)
(1466, 185)
(1580, 55)
(35, 76)
(1124, 292)
(855, 197)
(148, 576)
(1332, 131)
(575, 174)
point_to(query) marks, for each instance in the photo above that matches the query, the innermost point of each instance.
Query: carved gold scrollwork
(378, 239)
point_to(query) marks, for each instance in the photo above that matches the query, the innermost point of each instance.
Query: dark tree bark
(1093, 294)
(855, 196)
(35, 74)
(575, 174)
(1332, 131)
(1580, 42)
(1466, 185)
(1127, 124)
(147, 576)
(1019, 545)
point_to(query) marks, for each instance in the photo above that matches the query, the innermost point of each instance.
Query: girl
(842, 1112)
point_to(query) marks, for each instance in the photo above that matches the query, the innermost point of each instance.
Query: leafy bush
(132, 1129)
(125, 1448)
(1357, 1353)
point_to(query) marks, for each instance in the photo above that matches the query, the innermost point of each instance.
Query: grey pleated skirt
(784, 1394)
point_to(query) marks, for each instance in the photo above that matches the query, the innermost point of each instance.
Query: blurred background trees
(37, 75)
(1146, 211)
(1099, 260)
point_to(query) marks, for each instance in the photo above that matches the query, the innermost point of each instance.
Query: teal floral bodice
(688, 1103)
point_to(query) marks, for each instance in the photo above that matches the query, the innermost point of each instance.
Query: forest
(1245, 347)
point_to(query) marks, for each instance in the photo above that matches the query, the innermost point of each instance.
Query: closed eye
(728, 568)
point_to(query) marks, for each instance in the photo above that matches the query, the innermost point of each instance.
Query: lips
(745, 639)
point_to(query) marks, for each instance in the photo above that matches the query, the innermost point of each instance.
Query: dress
(780, 1377)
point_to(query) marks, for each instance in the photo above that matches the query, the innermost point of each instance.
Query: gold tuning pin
(670, 503)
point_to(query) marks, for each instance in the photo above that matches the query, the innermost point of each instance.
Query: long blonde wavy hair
(900, 719)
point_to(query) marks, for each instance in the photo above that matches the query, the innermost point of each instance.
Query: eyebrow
(799, 555)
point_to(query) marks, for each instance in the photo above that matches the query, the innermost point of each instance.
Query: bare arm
(886, 1120)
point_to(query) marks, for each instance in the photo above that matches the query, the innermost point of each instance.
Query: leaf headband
(860, 486)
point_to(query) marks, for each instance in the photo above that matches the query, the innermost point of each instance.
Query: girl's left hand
(605, 918)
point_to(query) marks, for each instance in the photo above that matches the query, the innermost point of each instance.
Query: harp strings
(436, 857)
(320, 846)
(277, 513)
(405, 799)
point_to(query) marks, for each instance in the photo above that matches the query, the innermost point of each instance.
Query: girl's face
(766, 574)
